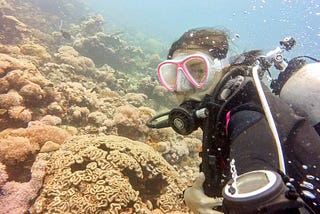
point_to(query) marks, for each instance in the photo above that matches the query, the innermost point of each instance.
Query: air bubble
(310, 177)
(307, 185)
(304, 166)
(309, 194)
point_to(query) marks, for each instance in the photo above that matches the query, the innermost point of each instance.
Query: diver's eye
(197, 69)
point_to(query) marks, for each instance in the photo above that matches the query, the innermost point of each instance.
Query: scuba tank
(298, 82)
(302, 91)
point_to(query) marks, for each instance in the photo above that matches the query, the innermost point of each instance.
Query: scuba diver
(258, 155)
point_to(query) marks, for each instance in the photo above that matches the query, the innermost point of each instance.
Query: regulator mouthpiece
(183, 119)
(184, 122)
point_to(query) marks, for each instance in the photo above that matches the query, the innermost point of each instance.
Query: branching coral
(110, 174)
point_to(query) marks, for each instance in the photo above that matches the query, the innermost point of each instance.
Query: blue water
(260, 23)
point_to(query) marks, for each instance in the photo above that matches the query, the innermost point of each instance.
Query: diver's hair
(213, 40)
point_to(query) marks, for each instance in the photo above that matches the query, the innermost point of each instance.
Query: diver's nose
(182, 84)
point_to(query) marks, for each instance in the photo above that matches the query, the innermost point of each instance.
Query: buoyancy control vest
(288, 123)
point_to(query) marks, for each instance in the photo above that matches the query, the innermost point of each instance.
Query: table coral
(108, 174)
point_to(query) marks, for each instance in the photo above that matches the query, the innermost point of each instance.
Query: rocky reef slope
(73, 105)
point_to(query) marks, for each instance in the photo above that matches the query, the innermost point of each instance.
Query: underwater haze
(78, 86)
(261, 24)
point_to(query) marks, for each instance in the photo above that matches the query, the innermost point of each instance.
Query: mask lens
(198, 69)
(168, 74)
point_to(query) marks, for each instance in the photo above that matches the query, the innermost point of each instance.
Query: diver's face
(205, 73)
(191, 69)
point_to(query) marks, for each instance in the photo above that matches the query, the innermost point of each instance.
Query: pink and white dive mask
(195, 68)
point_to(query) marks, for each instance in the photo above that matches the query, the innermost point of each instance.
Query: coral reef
(16, 149)
(92, 25)
(108, 174)
(36, 50)
(136, 99)
(3, 175)
(12, 30)
(16, 197)
(101, 48)
(70, 56)
(130, 121)
(19, 147)
(21, 167)
(24, 92)
(62, 75)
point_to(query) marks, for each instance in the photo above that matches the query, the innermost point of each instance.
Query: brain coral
(108, 174)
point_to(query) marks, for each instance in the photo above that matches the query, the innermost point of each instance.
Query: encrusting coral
(108, 174)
